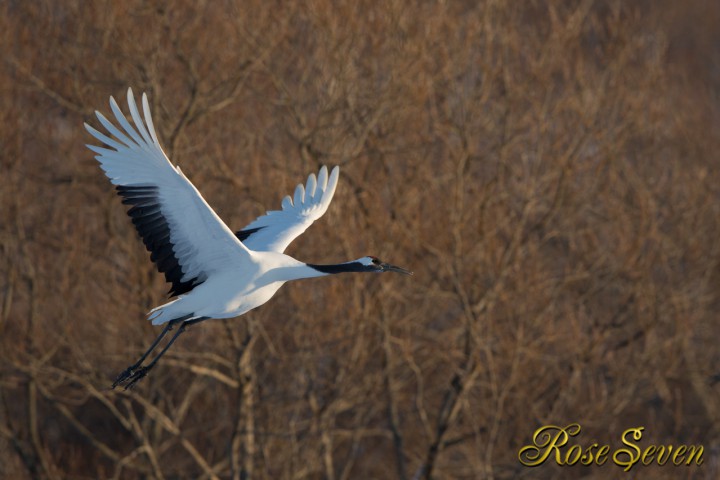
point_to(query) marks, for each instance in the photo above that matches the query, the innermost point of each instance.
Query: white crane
(214, 272)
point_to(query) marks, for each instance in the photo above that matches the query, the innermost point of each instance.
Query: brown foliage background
(548, 171)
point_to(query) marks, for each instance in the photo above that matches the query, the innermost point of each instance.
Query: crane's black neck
(339, 268)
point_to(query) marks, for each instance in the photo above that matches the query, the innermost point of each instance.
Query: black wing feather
(146, 214)
(244, 234)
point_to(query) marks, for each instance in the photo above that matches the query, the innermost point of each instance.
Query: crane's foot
(123, 377)
(130, 376)
(136, 376)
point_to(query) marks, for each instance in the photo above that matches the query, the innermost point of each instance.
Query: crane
(213, 272)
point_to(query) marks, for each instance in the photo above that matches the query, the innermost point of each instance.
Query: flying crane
(214, 272)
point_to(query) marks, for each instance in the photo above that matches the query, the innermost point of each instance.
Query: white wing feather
(277, 228)
(201, 242)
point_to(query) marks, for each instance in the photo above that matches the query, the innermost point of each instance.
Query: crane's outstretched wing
(277, 228)
(186, 238)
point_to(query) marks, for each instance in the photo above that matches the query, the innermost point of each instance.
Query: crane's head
(374, 264)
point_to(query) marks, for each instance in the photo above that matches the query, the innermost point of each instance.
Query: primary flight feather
(213, 272)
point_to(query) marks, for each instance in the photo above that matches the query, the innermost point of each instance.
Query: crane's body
(214, 272)
(232, 293)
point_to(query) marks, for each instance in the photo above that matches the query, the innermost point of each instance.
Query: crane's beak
(392, 268)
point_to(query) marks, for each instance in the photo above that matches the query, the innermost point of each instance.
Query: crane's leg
(128, 372)
(141, 372)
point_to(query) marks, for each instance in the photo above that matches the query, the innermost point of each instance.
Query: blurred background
(549, 170)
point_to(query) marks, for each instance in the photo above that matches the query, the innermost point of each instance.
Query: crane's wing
(186, 238)
(277, 228)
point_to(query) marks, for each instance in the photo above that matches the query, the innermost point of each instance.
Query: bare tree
(548, 171)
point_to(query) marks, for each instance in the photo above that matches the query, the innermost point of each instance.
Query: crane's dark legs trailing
(136, 371)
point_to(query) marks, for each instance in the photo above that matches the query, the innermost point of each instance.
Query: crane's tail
(169, 312)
